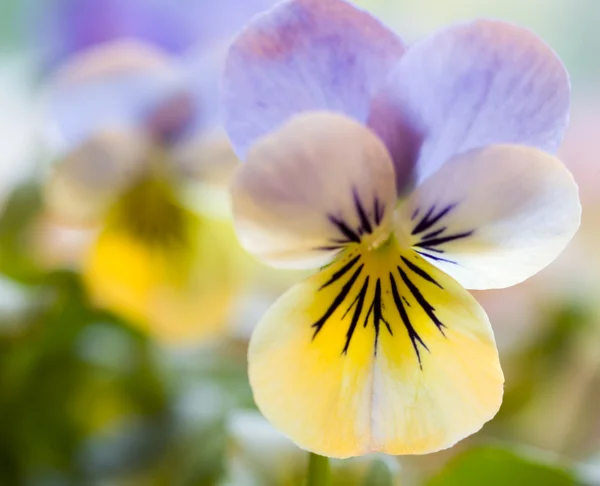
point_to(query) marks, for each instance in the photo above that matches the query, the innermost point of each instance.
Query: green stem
(318, 471)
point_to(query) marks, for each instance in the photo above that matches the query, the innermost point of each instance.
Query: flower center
(379, 288)
(370, 232)
(382, 278)
(150, 212)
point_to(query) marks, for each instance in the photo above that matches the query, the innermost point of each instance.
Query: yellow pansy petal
(176, 294)
(493, 217)
(320, 182)
(380, 351)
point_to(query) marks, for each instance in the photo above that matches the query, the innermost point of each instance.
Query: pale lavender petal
(469, 86)
(65, 27)
(117, 86)
(203, 69)
(304, 55)
(203, 62)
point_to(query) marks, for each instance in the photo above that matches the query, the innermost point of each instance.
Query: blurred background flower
(133, 124)
(126, 303)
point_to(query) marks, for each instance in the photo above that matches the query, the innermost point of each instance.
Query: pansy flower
(404, 175)
(134, 113)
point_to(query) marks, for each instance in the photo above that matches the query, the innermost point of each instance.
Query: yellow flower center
(149, 211)
(373, 285)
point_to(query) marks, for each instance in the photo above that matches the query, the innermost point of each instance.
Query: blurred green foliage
(531, 367)
(499, 466)
(21, 209)
(85, 397)
(54, 396)
(379, 474)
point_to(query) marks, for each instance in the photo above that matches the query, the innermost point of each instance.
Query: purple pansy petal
(116, 86)
(202, 63)
(304, 55)
(473, 85)
(71, 26)
(66, 27)
(202, 70)
(402, 138)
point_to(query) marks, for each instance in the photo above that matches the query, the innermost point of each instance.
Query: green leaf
(501, 466)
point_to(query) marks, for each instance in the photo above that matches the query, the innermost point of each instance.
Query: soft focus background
(126, 303)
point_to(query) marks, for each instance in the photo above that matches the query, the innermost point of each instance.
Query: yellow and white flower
(405, 177)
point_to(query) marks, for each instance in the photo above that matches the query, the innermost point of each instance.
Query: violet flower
(407, 174)
(134, 109)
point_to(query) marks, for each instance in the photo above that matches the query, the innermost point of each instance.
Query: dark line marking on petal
(415, 213)
(429, 248)
(406, 301)
(387, 324)
(435, 233)
(376, 308)
(340, 241)
(369, 313)
(343, 293)
(424, 221)
(341, 272)
(349, 308)
(436, 258)
(328, 248)
(350, 234)
(412, 334)
(365, 224)
(422, 301)
(359, 302)
(378, 314)
(420, 272)
(345, 229)
(427, 223)
(445, 239)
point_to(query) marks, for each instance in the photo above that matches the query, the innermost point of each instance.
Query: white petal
(320, 183)
(493, 217)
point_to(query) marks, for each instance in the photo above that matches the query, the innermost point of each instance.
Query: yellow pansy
(383, 350)
(170, 268)
(405, 175)
(170, 271)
